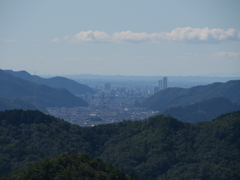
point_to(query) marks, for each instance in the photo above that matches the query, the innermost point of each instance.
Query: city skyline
(136, 38)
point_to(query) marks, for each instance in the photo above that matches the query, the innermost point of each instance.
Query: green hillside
(173, 97)
(159, 148)
(202, 111)
(13, 87)
(55, 82)
(7, 104)
(69, 167)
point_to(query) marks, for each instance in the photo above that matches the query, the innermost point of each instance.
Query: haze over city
(147, 38)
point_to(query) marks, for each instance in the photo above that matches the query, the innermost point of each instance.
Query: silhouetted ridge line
(43, 95)
(55, 82)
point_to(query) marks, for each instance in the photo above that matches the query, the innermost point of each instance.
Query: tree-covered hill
(202, 111)
(173, 97)
(7, 104)
(69, 167)
(55, 82)
(164, 148)
(13, 87)
(27, 136)
(158, 148)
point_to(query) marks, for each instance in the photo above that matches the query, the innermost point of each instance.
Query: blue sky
(109, 37)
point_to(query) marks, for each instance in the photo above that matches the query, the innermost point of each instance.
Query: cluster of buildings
(162, 84)
(103, 110)
(112, 103)
(107, 86)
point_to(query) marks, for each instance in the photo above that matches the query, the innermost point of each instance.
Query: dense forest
(173, 96)
(158, 148)
(37, 94)
(55, 82)
(69, 167)
(202, 111)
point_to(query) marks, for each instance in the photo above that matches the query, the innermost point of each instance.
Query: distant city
(119, 98)
(108, 105)
(111, 105)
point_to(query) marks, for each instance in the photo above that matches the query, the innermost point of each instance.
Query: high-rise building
(160, 85)
(164, 82)
(107, 86)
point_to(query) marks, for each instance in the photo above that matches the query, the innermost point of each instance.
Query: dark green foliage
(158, 148)
(27, 136)
(13, 87)
(202, 111)
(69, 167)
(55, 82)
(173, 97)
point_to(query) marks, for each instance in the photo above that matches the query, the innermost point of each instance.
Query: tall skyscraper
(160, 85)
(164, 82)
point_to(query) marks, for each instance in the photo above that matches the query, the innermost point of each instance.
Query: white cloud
(227, 54)
(89, 36)
(129, 36)
(233, 54)
(7, 40)
(56, 40)
(187, 34)
(10, 40)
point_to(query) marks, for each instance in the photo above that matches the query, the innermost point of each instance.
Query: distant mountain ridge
(43, 95)
(202, 111)
(55, 82)
(173, 97)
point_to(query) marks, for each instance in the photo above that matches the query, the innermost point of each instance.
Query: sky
(127, 37)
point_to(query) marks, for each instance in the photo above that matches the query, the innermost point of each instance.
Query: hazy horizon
(115, 75)
(126, 38)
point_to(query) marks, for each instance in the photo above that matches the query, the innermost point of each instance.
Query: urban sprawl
(110, 105)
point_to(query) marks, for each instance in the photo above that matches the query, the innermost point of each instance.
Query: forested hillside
(16, 103)
(173, 97)
(55, 82)
(13, 87)
(158, 148)
(69, 167)
(202, 111)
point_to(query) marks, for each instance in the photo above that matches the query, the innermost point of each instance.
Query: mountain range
(202, 111)
(55, 82)
(173, 96)
(37, 94)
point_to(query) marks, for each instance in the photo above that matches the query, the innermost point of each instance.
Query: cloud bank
(227, 54)
(187, 34)
(56, 40)
(7, 40)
